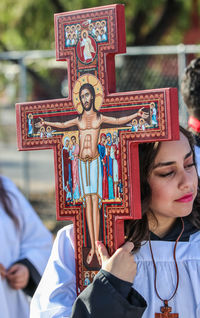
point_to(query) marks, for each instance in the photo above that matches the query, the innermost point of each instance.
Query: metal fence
(139, 69)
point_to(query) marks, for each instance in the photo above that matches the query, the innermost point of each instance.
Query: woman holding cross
(156, 273)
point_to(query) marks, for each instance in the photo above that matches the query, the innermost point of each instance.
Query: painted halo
(64, 139)
(95, 82)
(48, 128)
(30, 116)
(84, 31)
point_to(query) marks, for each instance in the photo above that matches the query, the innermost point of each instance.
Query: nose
(186, 180)
(85, 99)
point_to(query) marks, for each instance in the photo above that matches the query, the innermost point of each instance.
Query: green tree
(29, 25)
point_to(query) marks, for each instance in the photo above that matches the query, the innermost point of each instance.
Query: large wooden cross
(95, 133)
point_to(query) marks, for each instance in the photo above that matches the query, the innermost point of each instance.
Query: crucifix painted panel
(95, 133)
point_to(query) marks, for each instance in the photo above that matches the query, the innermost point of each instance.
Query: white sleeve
(56, 292)
(35, 240)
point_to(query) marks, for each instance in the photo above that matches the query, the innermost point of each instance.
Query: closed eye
(163, 175)
(190, 165)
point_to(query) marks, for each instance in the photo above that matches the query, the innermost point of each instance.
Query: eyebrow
(169, 163)
(82, 94)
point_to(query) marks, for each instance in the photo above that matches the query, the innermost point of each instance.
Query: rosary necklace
(166, 310)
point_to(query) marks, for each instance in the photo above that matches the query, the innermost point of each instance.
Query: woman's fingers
(128, 246)
(121, 264)
(18, 276)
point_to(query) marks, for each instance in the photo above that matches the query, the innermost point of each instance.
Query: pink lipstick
(186, 198)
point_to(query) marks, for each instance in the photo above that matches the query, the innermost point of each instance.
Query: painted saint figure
(67, 170)
(142, 124)
(153, 113)
(115, 158)
(75, 172)
(74, 39)
(49, 132)
(42, 132)
(89, 123)
(109, 165)
(69, 39)
(102, 153)
(30, 124)
(88, 48)
(134, 125)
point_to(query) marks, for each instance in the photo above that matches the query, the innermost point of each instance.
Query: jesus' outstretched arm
(123, 120)
(65, 124)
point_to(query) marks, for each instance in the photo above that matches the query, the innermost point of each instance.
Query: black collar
(189, 229)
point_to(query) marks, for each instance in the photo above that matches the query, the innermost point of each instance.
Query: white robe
(197, 156)
(88, 48)
(186, 302)
(31, 241)
(57, 292)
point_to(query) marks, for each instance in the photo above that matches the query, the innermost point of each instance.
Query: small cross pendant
(166, 312)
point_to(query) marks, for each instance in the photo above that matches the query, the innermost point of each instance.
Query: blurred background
(162, 37)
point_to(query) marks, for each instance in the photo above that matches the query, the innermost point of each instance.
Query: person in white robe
(125, 285)
(56, 292)
(25, 248)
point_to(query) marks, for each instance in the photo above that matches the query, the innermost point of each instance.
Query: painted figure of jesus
(88, 48)
(89, 123)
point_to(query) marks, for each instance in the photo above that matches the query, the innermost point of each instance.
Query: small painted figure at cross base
(190, 89)
(156, 272)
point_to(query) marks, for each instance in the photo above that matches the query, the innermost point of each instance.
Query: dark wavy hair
(138, 230)
(5, 199)
(92, 91)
